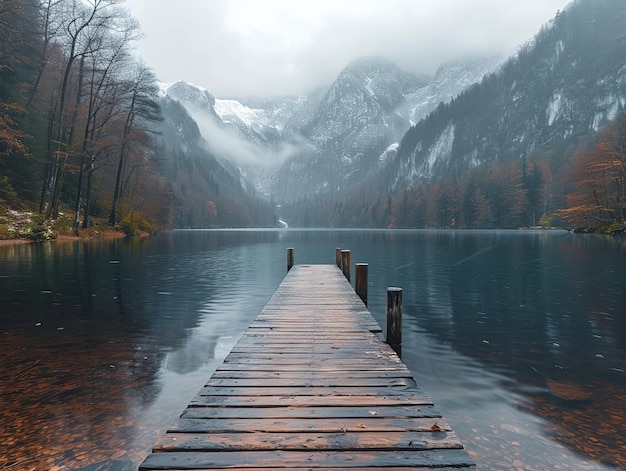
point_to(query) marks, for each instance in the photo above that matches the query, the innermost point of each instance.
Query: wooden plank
(308, 468)
(307, 441)
(310, 325)
(295, 368)
(312, 401)
(210, 412)
(297, 375)
(343, 459)
(309, 382)
(304, 337)
(326, 468)
(337, 391)
(286, 340)
(301, 358)
(310, 385)
(297, 425)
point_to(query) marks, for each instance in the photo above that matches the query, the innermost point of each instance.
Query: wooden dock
(310, 385)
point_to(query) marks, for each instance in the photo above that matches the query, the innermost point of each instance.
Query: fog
(238, 48)
(228, 143)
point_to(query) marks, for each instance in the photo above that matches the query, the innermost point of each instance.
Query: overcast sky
(275, 47)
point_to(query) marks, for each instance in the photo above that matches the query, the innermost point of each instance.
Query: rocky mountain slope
(297, 146)
(207, 191)
(558, 88)
(504, 151)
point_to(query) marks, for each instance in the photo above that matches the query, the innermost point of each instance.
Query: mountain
(352, 124)
(293, 147)
(205, 191)
(353, 128)
(557, 89)
(500, 154)
(450, 79)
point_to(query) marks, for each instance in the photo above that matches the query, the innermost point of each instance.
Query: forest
(77, 110)
(580, 188)
(81, 125)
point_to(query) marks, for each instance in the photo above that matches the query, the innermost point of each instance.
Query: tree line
(570, 187)
(77, 110)
(597, 180)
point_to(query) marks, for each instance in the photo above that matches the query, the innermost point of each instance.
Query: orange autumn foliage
(599, 177)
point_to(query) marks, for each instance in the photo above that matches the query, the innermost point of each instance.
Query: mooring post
(360, 281)
(345, 263)
(394, 319)
(338, 256)
(290, 258)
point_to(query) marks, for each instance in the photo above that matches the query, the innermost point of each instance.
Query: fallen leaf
(435, 427)
(361, 425)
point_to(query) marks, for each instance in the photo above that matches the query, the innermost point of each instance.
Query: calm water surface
(519, 337)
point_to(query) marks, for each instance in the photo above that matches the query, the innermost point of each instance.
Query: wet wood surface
(311, 384)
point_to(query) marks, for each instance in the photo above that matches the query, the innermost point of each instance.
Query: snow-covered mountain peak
(163, 88)
(450, 79)
(188, 93)
(231, 111)
(341, 133)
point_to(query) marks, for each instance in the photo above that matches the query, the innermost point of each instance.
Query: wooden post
(290, 258)
(345, 263)
(360, 281)
(338, 256)
(394, 319)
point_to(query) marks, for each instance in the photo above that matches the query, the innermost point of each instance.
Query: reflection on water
(519, 337)
(103, 344)
(535, 322)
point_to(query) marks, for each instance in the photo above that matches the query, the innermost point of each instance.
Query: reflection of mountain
(205, 344)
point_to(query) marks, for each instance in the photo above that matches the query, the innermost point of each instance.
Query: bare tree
(106, 63)
(141, 110)
(50, 25)
(82, 21)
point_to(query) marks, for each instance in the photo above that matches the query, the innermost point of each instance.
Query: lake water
(518, 336)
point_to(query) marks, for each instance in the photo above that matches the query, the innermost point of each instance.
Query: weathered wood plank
(310, 382)
(312, 401)
(355, 391)
(307, 441)
(241, 467)
(310, 325)
(211, 412)
(293, 340)
(394, 374)
(297, 425)
(338, 368)
(313, 459)
(304, 359)
(308, 468)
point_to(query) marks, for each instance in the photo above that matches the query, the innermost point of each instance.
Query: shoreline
(112, 234)
(4, 242)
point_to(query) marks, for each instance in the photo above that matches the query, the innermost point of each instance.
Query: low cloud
(226, 142)
(238, 48)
